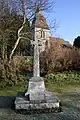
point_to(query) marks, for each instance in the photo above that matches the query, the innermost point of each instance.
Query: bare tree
(29, 8)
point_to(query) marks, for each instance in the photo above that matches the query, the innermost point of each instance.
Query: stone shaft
(36, 69)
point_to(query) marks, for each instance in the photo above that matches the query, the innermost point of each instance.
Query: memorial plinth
(37, 98)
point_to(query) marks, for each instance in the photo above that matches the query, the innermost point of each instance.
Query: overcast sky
(67, 14)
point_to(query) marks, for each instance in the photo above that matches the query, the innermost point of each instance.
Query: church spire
(38, 11)
(39, 20)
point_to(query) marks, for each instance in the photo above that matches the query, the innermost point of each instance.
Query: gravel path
(70, 109)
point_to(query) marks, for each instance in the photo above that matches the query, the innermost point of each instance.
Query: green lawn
(12, 91)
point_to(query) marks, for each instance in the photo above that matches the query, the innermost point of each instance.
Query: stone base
(50, 104)
(36, 97)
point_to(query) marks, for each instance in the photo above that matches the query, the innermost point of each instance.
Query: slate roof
(67, 44)
(56, 39)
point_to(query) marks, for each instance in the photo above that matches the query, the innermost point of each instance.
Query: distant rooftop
(67, 44)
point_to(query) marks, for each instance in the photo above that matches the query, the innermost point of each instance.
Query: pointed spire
(39, 20)
(38, 9)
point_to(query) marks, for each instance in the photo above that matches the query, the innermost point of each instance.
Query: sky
(67, 14)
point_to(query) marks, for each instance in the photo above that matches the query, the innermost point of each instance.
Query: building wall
(42, 35)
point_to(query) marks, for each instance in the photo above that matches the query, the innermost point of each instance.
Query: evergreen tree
(77, 42)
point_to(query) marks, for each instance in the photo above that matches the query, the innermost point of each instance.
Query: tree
(31, 7)
(13, 20)
(77, 42)
(10, 22)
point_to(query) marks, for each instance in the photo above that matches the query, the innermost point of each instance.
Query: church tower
(40, 29)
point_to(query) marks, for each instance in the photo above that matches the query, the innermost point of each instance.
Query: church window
(42, 34)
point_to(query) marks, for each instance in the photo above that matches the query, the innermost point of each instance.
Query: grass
(12, 91)
(58, 82)
(63, 82)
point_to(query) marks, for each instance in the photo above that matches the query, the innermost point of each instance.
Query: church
(41, 31)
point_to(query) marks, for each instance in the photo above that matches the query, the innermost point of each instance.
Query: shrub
(10, 76)
(59, 58)
(63, 79)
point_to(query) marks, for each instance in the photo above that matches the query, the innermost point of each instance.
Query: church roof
(56, 40)
(40, 21)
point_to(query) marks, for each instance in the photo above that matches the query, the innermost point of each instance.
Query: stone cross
(36, 67)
